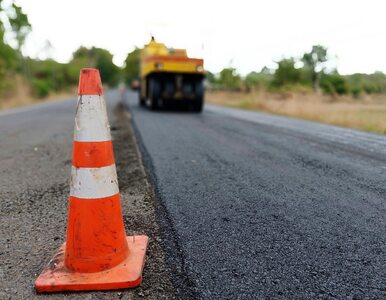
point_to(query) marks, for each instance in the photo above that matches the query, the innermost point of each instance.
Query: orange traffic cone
(97, 254)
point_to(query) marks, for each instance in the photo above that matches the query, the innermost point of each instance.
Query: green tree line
(306, 72)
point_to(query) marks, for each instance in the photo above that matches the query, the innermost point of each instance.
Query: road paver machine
(168, 75)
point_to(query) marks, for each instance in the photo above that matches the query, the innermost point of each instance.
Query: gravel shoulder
(33, 213)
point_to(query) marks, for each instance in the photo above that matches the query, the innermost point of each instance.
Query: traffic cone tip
(90, 82)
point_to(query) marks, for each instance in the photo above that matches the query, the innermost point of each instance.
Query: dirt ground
(33, 215)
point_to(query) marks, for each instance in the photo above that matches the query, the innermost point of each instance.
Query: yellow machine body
(156, 57)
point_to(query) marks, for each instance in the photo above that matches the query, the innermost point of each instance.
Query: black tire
(154, 93)
(141, 101)
(198, 105)
(199, 96)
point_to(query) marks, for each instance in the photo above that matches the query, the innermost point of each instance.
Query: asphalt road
(263, 207)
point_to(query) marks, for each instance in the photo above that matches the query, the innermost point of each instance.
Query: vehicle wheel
(154, 93)
(199, 96)
(141, 101)
(198, 105)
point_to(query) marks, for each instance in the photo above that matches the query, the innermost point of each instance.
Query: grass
(367, 113)
(21, 95)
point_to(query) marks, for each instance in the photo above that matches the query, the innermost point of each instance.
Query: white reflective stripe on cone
(91, 123)
(91, 183)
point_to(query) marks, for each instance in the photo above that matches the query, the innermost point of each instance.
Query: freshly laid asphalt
(256, 206)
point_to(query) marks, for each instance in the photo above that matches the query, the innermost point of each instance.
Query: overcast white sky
(244, 34)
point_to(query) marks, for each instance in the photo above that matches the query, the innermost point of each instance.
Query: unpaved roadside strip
(33, 213)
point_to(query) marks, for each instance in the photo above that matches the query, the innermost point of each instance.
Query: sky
(246, 35)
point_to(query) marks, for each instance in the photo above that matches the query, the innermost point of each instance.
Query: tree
(131, 69)
(258, 79)
(314, 64)
(98, 58)
(334, 84)
(368, 83)
(286, 73)
(211, 78)
(19, 28)
(252, 80)
(110, 73)
(20, 25)
(229, 79)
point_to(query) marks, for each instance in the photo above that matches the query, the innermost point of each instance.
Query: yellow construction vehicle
(169, 75)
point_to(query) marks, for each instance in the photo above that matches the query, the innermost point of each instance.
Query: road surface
(35, 165)
(264, 207)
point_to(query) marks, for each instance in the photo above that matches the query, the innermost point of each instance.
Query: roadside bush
(356, 91)
(286, 73)
(334, 84)
(41, 88)
(255, 80)
(50, 71)
(371, 88)
(229, 79)
(367, 83)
